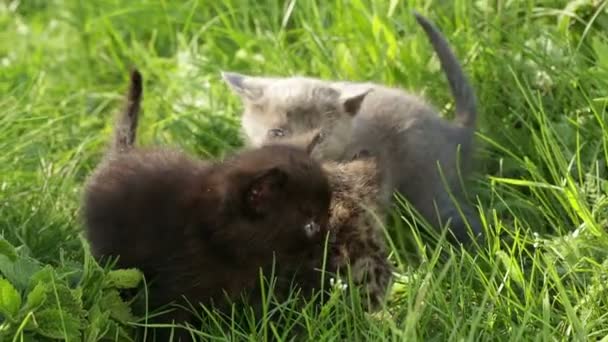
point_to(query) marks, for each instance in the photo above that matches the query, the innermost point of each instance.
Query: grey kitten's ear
(243, 85)
(352, 104)
(264, 189)
(323, 94)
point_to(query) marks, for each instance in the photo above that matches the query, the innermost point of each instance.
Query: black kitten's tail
(126, 122)
(464, 96)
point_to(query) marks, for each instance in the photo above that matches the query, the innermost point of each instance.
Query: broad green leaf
(58, 324)
(18, 272)
(119, 310)
(124, 278)
(10, 300)
(98, 324)
(69, 300)
(53, 295)
(70, 271)
(45, 274)
(7, 250)
(37, 296)
(58, 290)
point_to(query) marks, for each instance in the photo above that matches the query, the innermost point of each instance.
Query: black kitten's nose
(311, 228)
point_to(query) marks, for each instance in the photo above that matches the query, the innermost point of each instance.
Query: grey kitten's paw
(464, 228)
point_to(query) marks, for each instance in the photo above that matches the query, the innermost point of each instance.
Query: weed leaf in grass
(7, 250)
(67, 299)
(101, 327)
(10, 300)
(58, 324)
(118, 309)
(36, 297)
(124, 278)
(19, 272)
(97, 325)
(58, 309)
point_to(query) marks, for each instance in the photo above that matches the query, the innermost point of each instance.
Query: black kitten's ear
(264, 189)
(352, 104)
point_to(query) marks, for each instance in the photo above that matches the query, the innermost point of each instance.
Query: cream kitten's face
(276, 109)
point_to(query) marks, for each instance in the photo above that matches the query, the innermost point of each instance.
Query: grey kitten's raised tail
(464, 96)
(126, 122)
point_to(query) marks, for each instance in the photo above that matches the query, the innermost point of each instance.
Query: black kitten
(201, 229)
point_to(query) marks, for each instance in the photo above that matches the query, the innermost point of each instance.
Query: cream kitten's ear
(245, 86)
(352, 103)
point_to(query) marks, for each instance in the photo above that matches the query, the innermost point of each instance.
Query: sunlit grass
(540, 69)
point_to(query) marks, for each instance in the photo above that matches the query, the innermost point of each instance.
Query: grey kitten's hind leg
(463, 223)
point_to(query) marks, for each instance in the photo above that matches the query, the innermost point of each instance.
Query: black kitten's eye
(276, 133)
(311, 228)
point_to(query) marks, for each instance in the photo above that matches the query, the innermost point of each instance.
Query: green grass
(540, 69)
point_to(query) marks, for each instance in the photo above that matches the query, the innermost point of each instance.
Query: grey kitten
(279, 108)
(406, 132)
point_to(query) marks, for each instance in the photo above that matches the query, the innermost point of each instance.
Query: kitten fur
(357, 214)
(402, 128)
(204, 229)
(357, 211)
